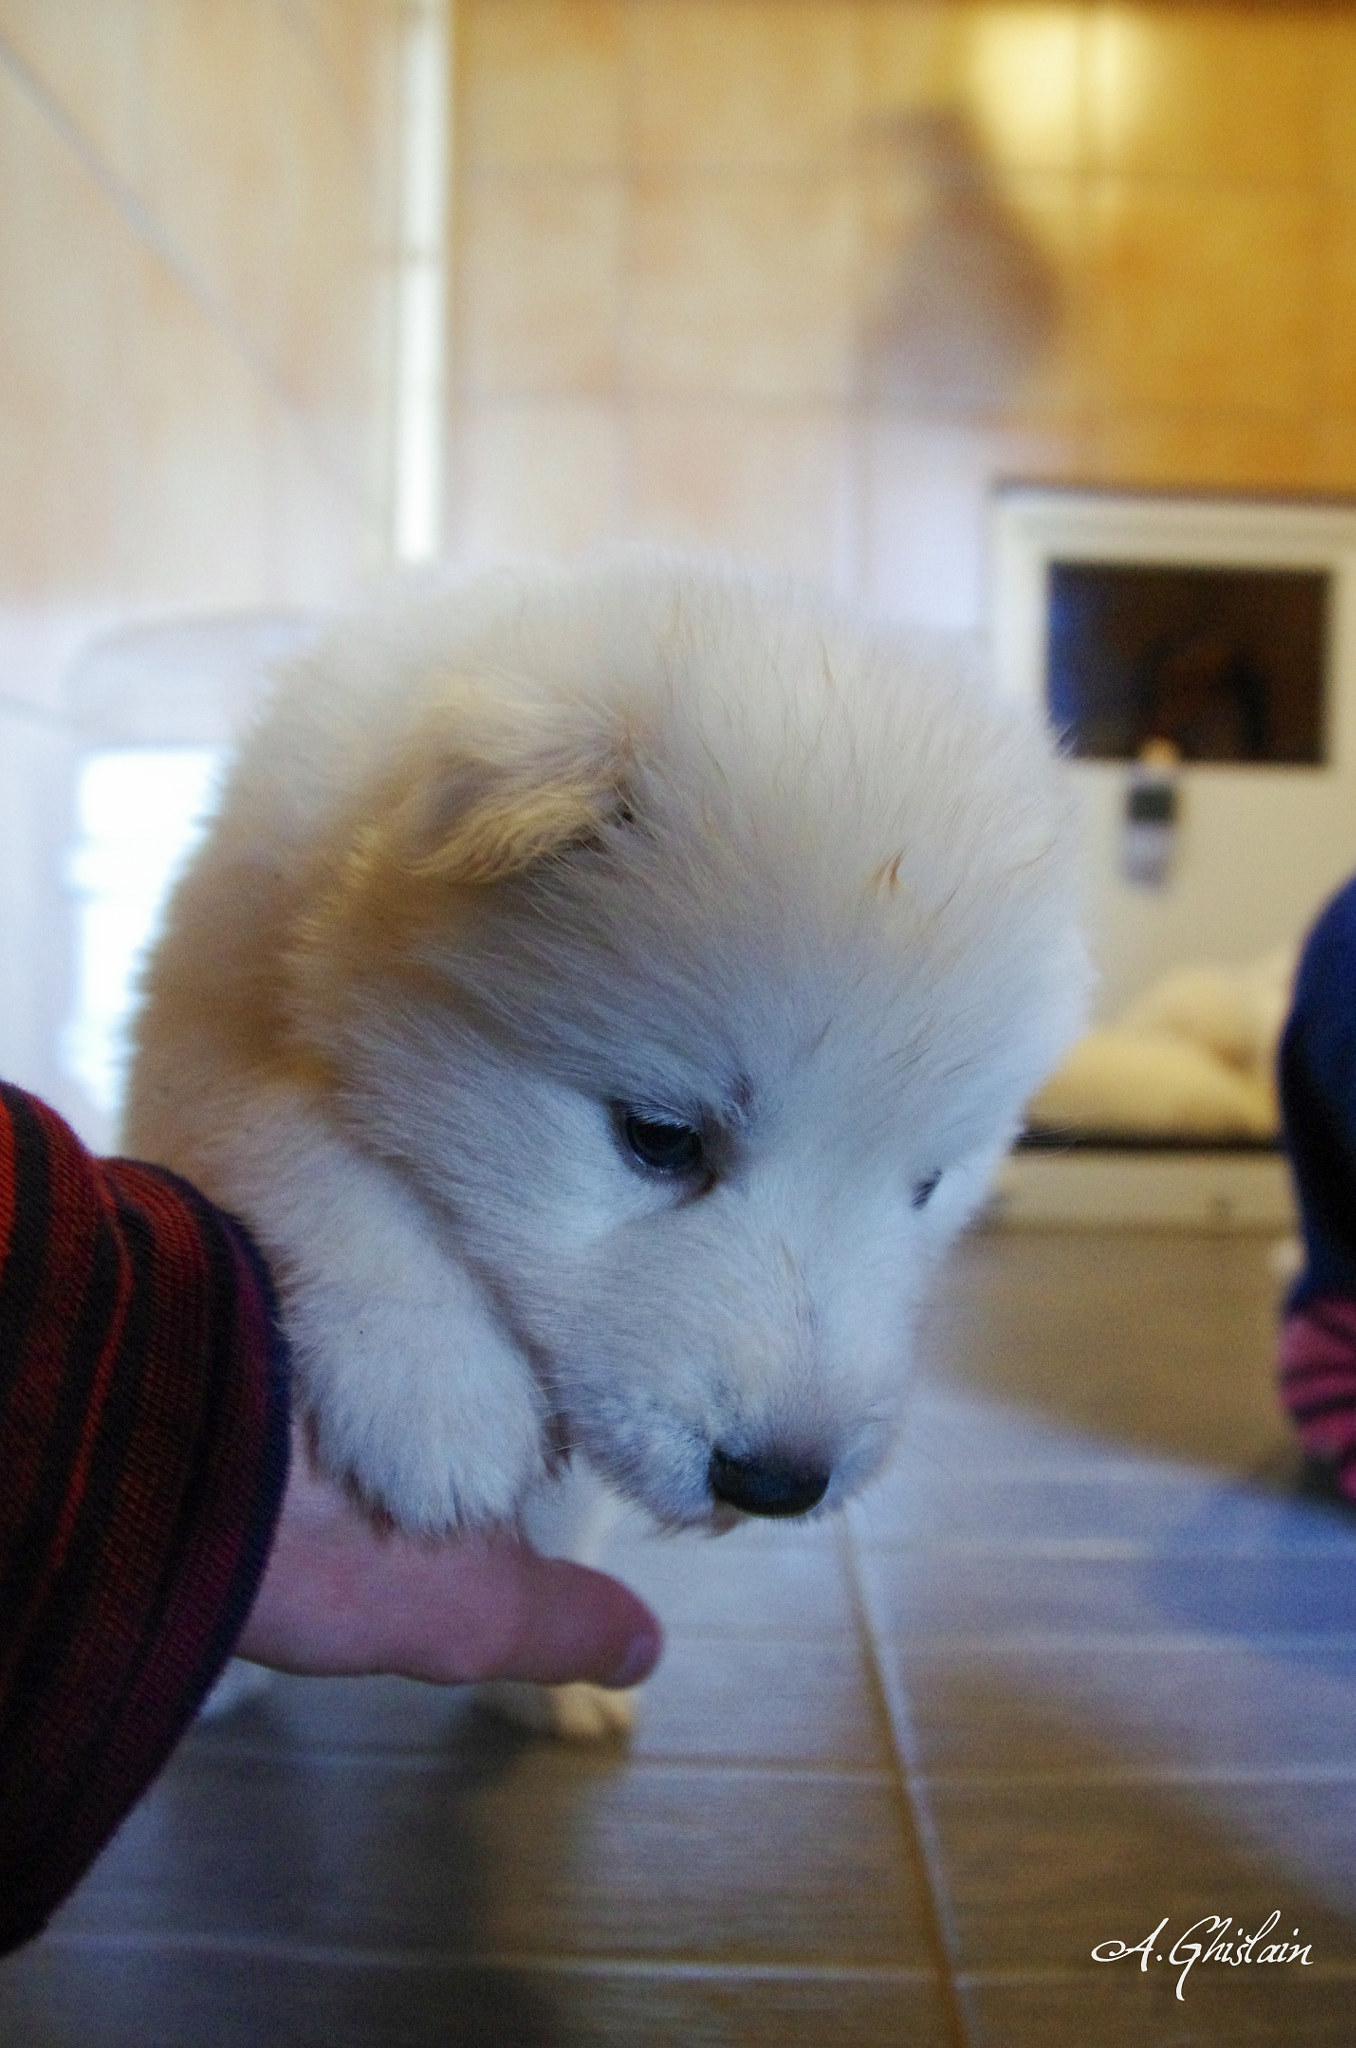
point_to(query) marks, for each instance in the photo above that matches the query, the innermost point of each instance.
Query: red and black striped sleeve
(143, 1457)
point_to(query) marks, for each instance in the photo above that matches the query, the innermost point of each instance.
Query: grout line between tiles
(1150, 1774)
(297, 15)
(1068, 1473)
(145, 226)
(430, 1762)
(974, 1980)
(349, 1955)
(924, 1848)
(1105, 1550)
(1109, 1642)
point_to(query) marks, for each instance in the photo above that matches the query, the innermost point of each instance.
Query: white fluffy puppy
(604, 994)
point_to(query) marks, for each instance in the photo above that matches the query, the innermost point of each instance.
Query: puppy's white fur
(508, 852)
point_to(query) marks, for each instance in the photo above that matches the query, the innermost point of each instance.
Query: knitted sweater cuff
(143, 1458)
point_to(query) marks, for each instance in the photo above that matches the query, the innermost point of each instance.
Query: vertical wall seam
(138, 218)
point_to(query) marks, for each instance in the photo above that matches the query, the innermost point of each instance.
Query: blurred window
(140, 812)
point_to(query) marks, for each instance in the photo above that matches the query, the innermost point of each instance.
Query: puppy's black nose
(764, 1486)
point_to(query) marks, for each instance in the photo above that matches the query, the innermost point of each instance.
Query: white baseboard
(1206, 1190)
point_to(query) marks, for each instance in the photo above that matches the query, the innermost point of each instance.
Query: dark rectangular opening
(1226, 664)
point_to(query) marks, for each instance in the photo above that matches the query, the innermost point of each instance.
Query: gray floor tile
(553, 1853)
(940, 1590)
(294, 1715)
(148, 1997)
(755, 1582)
(1114, 1708)
(1131, 1509)
(1273, 2007)
(1040, 1872)
(778, 1699)
(755, 2012)
(792, 1702)
(955, 1431)
(1158, 1340)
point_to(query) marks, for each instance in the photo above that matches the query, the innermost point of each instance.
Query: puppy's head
(693, 955)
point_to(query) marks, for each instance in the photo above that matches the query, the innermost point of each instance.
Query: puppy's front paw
(424, 1405)
(573, 1713)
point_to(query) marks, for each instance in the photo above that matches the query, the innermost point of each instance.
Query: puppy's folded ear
(500, 832)
(478, 792)
(476, 807)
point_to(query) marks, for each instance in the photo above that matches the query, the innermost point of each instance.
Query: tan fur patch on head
(516, 783)
(886, 876)
(507, 833)
(447, 820)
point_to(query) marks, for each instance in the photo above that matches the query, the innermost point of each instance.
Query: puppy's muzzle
(765, 1486)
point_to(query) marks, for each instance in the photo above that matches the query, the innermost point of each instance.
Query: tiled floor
(1083, 1664)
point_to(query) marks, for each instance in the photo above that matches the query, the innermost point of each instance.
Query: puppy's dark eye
(662, 1143)
(923, 1190)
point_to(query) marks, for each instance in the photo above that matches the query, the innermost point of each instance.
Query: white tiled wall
(195, 263)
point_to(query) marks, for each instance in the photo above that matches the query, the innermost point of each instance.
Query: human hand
(341, 1595)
